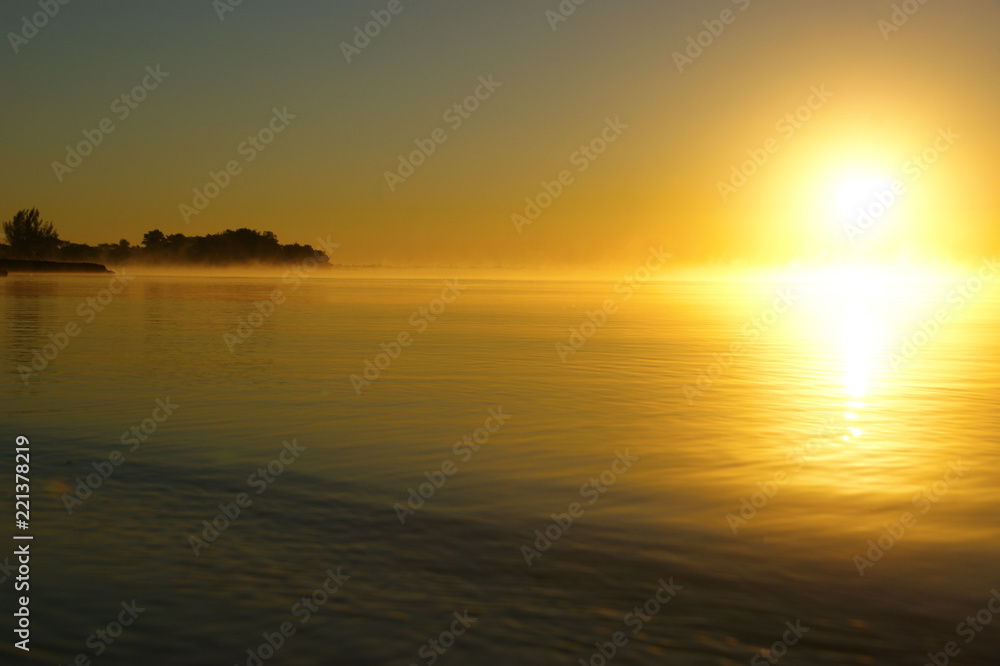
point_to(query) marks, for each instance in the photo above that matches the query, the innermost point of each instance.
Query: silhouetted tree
(29, 237)
(119, 254)
(153, 239)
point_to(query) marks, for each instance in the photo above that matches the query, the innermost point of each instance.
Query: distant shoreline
(27, 266)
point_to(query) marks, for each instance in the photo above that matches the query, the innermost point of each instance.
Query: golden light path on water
(877, 373)
(863, 307)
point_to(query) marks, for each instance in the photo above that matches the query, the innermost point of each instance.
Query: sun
(861, 191)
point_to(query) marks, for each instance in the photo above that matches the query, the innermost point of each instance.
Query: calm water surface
(838, 427)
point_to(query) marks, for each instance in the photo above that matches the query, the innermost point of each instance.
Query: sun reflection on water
(859, 313)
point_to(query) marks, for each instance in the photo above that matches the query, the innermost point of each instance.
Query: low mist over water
(535, 468)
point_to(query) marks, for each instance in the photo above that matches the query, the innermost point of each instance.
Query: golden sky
(877, 95)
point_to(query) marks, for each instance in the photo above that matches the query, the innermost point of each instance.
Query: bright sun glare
(857, 191)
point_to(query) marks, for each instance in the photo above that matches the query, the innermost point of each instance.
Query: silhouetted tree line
(28, 237)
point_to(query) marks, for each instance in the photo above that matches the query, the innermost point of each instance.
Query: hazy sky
(885, 97)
